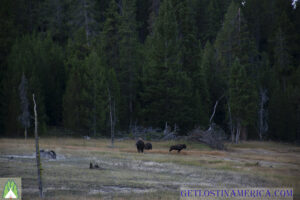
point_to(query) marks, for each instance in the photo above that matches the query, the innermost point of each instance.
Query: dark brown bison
(177, 147)
(140, 145)
(148, 146)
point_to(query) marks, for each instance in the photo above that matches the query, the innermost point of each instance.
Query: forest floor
(156, 174)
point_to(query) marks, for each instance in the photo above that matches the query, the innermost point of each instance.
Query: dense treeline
(100, 64)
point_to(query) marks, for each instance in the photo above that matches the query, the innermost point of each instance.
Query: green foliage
(242, 96)
(233, 41)
(109, 45)
(84, 100)
(129, 62)
(36, 57)
(148, 56)
(166, 85)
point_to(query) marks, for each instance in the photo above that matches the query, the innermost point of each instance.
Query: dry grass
(130, 175)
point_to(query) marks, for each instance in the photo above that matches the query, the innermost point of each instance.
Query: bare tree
(262, 113)
(86, 21)
(230, 123)
(238, 131)
(112, 115)
(214, 112)
(25, 116)
(37, 149)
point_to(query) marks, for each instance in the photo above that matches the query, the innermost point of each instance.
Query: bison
(177, 147)
(148, 146)
(47, 154)
(140, 145)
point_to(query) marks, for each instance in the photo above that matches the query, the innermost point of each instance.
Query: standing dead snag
(214, 112)
(25, 116)
(112, 114)
(230, 123)
(37, 150)
(262, 113)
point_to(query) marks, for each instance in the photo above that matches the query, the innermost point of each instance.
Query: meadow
(155, 174)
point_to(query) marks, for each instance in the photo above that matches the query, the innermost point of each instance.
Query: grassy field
(156, 174)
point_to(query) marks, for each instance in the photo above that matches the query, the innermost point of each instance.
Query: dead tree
(112, 115)
(37, 150)
(238, 131)
(25, 116)
(230, 123)
(262, 113)
(214, 112)
(86, 22)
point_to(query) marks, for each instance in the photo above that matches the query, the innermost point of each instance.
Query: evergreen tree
(242, 98)
(8, 34)
(110, 52)
(201, 93)
(72, 100)
(212, 76)
(129, 60)
(190, 59)
(215, 82)
(93, 94)
(189, 48)
(282, 59)
(233, 40)
(37, 57)
(85, 98)
(142, 16)
(82, 15)
(284, 112)
(110, 38)
(77, 51)
(166, 85)
(214, 18)
(55, 15)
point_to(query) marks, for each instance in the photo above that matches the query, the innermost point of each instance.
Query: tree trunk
(94, 112)
(112, 134)
(25, 133)
(86, 22)
(114, 121)
(230, 123)
(94, 123)
(214, 111)
(238, 132)
(262, 121)
(166, 131)
(243, 133)
(260, 116)
(232, 134)
(37, 150)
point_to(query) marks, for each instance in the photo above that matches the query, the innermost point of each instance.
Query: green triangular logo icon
(10, 190)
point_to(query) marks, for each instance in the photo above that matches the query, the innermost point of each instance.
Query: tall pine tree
(167, 88)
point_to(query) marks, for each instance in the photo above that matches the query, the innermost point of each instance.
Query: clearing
(156, 174)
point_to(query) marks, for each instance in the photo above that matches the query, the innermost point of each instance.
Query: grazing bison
(177, 147)
(140, 145)
(96, 166)
(148, 146)
(47, 154)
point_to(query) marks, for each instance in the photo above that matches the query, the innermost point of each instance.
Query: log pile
(214, 137)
